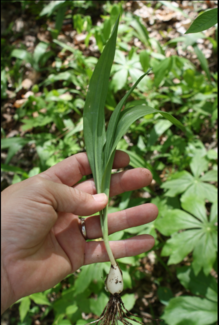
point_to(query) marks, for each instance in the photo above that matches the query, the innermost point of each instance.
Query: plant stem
(104, 227)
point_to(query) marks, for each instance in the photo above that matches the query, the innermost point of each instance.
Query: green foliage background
(47, 123)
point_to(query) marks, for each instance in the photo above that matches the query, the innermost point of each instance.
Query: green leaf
(212, 154)
(190, 311)
(203, 61)
(161, 69)
(12, 151)
(144, 60)
(205, 252)
(59, 18)
(180, 245)
(129, 300)
(24, 307)
(210, 176)
(182, 180)
(48, 9)
(97, 305)
(8, 168)
(201, 285)
(201, 190)
(160, 127)
(141, 31)
(94, 121)
(130, 115)
(14, 145)
(164, 295)
(119, 79)
(40, 298)
(204, 21)
(195, 206)
(22, 55)
(214, 212)
(112, 126)
(84, 278)
(175, 220)
(198, 165)
(39, 51)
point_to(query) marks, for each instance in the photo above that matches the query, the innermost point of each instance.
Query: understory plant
(101, 146)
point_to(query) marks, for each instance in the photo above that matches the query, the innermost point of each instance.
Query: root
(115, 310)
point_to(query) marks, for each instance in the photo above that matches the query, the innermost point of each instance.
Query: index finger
(72, 169)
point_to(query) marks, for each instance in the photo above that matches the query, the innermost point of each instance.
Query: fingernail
(100, 198)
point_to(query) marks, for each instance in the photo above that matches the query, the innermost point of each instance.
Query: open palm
(41, 232)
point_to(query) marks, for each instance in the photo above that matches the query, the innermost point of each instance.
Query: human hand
(41, 232)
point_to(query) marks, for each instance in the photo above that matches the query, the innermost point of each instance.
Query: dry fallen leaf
(27, 83)
(19, 102)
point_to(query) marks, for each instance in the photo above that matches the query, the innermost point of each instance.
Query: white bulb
(114, 280)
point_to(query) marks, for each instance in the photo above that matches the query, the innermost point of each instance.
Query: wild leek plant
(101, 146)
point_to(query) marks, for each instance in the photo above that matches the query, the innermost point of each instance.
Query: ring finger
(121, 220)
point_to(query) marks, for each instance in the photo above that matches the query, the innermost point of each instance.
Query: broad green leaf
(94, 121)
(212, 154)
(210, 176)
(135, 73)
(40, 49)
(204, 241)
(40, 298)
(201, 190)
(182, 180)
(24, 307)
(22, 55)
(201, 285)
(129, 300)
(190, 311)
(205, 252)
(98, 304)
(175, 220)
(198, 165)
(119, 79)
(204, 21)
(84, 278)
(180, 245)
(195, 206)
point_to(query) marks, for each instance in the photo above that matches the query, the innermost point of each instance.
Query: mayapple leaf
(199, 235)
(190, 311)
(201, 285)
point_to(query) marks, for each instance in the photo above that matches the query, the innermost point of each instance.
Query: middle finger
(128, 180)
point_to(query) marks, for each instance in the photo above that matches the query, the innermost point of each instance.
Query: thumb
(67, 199)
